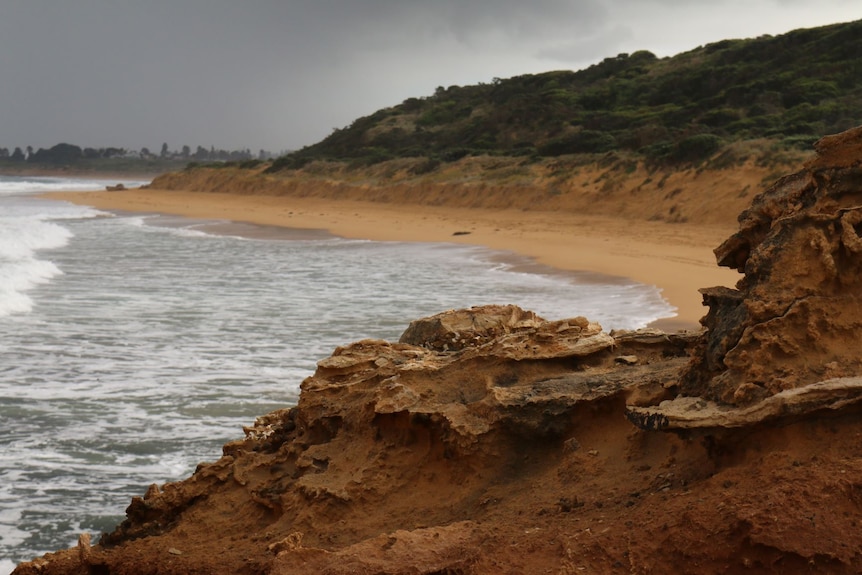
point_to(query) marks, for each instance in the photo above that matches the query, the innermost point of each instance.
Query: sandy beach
(676, 257)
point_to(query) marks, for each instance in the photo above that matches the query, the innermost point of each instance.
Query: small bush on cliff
(799, 142)
(691, 150)
(289, 162)
(582, 142)
(250, 164)
(696, 148)
(370, 156)
(425, 167)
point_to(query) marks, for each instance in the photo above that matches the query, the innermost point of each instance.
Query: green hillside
(791, 88)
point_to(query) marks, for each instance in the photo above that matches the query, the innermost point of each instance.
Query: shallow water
(135, 346)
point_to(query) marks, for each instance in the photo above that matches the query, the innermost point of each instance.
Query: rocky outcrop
(395, 450)
(786, 341)
(795, 317)
(489, 440)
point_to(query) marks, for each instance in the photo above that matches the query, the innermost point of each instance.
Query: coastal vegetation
(682, 110)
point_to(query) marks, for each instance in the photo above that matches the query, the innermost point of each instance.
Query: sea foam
(29, 226)
(20, 269)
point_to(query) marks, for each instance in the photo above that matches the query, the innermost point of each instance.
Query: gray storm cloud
(279, 74)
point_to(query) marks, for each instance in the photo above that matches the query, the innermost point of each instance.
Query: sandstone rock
(506, 331)
(697, 413)
(457, 329)
(85, 550)
(290, 543)
(797, 308)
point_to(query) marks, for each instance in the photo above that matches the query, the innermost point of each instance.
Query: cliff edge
(490, 440)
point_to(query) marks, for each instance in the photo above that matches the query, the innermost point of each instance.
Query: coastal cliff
(612, 185)
(490, 440)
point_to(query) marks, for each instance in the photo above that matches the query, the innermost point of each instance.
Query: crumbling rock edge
(698, 413)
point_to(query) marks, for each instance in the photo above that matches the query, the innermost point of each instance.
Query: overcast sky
(280, 74)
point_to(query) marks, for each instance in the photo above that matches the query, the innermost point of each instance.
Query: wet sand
(675, 257)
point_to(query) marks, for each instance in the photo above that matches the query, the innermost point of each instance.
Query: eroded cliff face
(795, 317)
(489, 440)
(612, 186)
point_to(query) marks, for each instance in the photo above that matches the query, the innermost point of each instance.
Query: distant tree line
(63, 154)
(203, 154)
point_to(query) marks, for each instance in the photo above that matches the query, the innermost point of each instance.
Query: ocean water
(135, 345)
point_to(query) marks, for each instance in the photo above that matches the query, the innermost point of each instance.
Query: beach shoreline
(677, 258)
